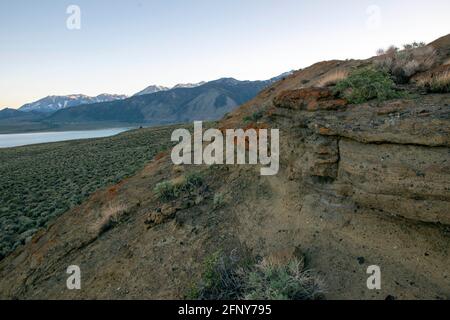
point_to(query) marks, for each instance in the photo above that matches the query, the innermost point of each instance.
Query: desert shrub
(220, 279)
(367, 84)
(255, 117)
(414, 45)
(242, 277)
(194, 180)
(218, 200)
(170, 190)
(391, 50)
(404, 64)
(166, 191)
(288, 281)
(41, 182)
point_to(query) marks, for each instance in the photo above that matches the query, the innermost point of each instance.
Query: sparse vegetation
(110, 216)
(172, 189)
(389, 51)
(439, 83)
(403, 64)
(414, 45)
(332, 78)
(234, 277)
(40, 182)
(269, 280)
(366, 84)
(220, 279)
(166, 191)
(218, 200)
(255, 117)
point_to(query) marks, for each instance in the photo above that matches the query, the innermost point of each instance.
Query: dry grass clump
(109, 216)
(403, 64)
(244, 277)
(332, 77)
(438, 83)
(274, 279)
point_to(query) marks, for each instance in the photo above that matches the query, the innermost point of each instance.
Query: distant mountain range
(55, 103)
(9, 113)
(155, 88)
(152, 106)
(209, 101)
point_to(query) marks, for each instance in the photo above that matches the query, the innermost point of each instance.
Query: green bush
(168, 191)
(193, 181)
(366, 84)
(414, 45)
(255, 117)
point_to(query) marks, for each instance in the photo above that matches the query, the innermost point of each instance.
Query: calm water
(22, 139)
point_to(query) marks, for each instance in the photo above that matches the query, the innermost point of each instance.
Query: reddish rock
(309, 99)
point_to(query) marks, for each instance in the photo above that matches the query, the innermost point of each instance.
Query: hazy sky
(126, 45)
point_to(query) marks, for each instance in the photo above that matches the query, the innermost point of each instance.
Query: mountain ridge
(156, 88)
(54, 103)
(208, 101)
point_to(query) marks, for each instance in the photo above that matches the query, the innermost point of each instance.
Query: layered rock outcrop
(393, 156)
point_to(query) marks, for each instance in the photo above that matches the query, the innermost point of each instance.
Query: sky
(123, 46)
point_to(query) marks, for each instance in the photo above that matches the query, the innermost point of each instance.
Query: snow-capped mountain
(151, 89)
(155, 88)
(55, 103)
(188, 85)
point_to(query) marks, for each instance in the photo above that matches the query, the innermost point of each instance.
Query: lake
(23, 139)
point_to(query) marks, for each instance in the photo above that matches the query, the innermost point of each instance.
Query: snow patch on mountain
(55, 103)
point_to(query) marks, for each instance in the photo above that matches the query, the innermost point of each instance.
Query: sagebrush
(403, 64)
(240, 277)
(40, 182)
(366, 84)
(171, 189)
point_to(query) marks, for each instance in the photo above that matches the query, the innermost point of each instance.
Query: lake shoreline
(13, 140)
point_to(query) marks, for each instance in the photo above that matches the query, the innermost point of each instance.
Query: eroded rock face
(422, 121)
(411, 181)
(393, 157)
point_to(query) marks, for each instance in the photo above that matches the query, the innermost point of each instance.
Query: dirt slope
(358, 186)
